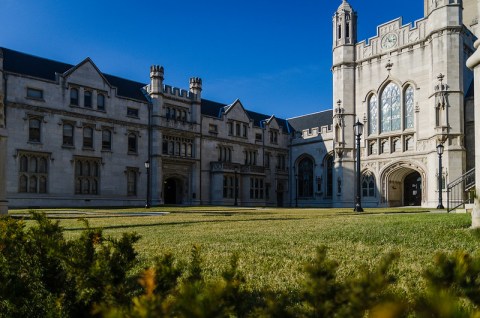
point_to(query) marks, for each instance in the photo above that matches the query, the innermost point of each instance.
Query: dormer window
(87, 99)
(74, 97)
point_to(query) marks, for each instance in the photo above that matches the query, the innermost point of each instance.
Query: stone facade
(410, 88)
(78, 137)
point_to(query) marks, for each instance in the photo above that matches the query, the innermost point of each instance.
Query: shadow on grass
(127, 226)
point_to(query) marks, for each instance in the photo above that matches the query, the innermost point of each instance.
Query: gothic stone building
(73, 136)
(410, 88)
(78, 137)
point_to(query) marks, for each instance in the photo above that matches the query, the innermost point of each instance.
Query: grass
(274, 244)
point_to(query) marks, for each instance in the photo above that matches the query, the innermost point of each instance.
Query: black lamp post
(440, 149)
(358, 129)
(147, 166)
(236, 188)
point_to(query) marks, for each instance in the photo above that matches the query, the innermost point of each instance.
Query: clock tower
(343, 69)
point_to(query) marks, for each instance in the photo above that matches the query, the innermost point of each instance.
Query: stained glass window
(409, 107)
(391, 109)
(373, 115)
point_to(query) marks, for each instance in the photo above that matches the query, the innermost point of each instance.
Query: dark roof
(214, 109)
(25, 64)
(324, 118)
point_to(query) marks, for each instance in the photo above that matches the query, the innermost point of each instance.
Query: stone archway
(403, 184)
(172, 191)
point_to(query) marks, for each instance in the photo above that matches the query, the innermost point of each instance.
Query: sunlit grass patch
(275, 244)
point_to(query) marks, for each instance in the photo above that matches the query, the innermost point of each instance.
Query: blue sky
(275, 56)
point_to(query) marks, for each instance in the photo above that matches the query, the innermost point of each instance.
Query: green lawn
(274, 244)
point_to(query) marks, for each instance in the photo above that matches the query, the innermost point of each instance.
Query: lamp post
(147, 166)
(236, 188)
(440, 149)
(358, 129)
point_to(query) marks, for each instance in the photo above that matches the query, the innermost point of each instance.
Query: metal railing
(461, 190)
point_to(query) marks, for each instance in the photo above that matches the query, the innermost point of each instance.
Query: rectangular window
(101, 102)
(258, 137)
(74, 96)
(106, 139)
(213, 128)
(34, 126)
(245, 131)
(34, 93)
(87, 175)
(237, 129)
(228, 187)
(132, 181)
(33, 172)
(68, 135)
(87, 99)
(88, 137)
(132, 112)
(256, 188)
(230, 128)
(132, 143)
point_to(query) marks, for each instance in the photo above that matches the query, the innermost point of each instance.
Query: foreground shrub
(44, 275)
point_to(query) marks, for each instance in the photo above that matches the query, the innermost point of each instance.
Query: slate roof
(323, 118)
(214, 109)
(26, 64)
(39, 67)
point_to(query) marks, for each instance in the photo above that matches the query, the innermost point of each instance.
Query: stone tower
(343, 69)
(157, 100)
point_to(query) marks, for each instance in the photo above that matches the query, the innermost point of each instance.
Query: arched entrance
(412, 189)
(403, 184)
(172, 191)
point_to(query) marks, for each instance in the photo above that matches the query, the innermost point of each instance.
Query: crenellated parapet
(156, 79)
(392, 36)
(196, 87)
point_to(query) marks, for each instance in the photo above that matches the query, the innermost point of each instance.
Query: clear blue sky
(275, 56)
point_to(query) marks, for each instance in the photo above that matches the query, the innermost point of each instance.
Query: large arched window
(368, 185)
(408, 108)
(372, 115)
(391, 108)
(305, 178)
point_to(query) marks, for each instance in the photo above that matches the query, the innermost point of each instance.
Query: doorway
(412, 189)
(171, 191)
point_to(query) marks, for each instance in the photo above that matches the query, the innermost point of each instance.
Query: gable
(237, 112)
(87, 74)
(273, 123)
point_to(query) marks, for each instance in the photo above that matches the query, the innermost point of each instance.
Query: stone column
(3, 161)
(474, 63)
